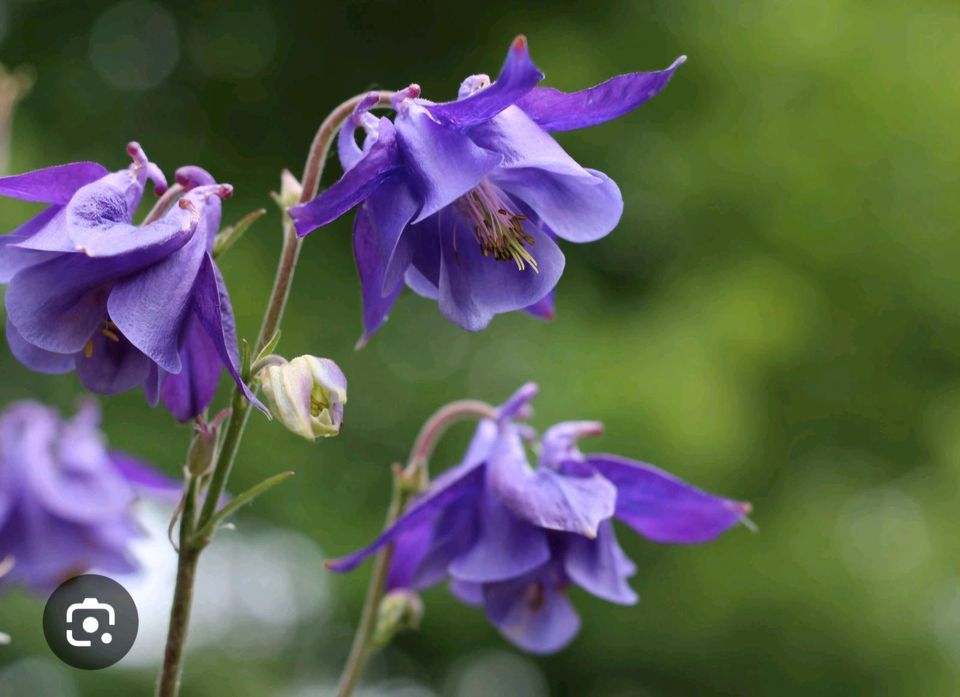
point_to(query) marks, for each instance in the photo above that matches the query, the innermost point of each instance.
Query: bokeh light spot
(882, 534)
(134, 45)
(234, 43)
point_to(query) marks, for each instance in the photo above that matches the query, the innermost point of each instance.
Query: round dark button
(90, 622)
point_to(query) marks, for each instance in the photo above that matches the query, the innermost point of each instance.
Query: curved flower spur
(511, 538)
(121, 304)
(463, 200)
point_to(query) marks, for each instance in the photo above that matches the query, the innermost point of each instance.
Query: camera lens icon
(89, 609)
(90, 622)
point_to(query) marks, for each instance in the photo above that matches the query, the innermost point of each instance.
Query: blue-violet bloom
(123, 305)
(463, 200)
(66, 500)
(511, 538)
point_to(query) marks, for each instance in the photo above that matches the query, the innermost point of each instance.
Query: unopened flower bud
(306, 395)
(290, 191)
(203, 449)
(400, 610)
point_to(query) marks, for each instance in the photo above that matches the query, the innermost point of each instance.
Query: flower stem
(189, 556)
(361, 648)
(407, 483)
(191, 546)
(228, 453)
(438, 424)
(320, 147)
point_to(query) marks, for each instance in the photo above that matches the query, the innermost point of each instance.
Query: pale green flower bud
(401, 610)
(306, 395)
(290, 191)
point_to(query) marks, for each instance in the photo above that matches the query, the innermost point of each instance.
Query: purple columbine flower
(512, 539)
(463, 200)
(65, 499)
(121, 304)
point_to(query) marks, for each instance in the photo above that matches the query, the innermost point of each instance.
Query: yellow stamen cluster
(498, 230)
(109, 330)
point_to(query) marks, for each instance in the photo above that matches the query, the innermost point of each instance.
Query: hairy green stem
(407, 483)
(191, 546)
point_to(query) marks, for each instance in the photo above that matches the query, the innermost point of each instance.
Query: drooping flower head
(463, 200)
(123, 305)
(512, 538)
(65, 498)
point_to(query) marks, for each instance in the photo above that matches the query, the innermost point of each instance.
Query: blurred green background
(775, 319)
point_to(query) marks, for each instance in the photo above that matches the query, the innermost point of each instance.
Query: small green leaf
(270, 346)
(229, 235)
(239, 502)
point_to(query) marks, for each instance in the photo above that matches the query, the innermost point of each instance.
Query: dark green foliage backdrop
(776, 317)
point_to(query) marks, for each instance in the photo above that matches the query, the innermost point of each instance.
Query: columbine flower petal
(41, 297)
(53, 185)
(506, 546)
(574, 207)
(420, 284)
(599, 566)
(75, 287)
(347, 149)
(13, 257)
(391, 209)
(523, 144)
(108, 366)
(101, 237)
(664, 508)
(463, 482)
(357, 184)
(517, 77)
(442, 164)
(36, 358)
(371, 267)
(544, 308)
(51, 236)
(188, 392)
(213, 310)
(150, 308)
(547, 498)
(378, 252)
(533, 611)
(472, 290)
(554, 110)
(452, 534)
